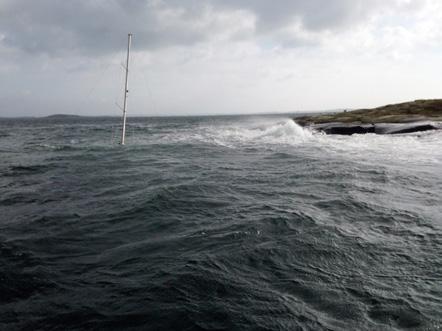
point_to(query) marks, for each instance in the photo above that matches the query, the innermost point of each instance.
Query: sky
(193, 57)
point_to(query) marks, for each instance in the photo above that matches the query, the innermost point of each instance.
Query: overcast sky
(217, 56)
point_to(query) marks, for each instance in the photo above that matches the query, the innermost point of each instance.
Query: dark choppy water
(222, 223)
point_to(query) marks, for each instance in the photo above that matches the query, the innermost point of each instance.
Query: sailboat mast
(126, 90)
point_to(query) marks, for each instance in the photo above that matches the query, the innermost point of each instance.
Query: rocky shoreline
(409, 117)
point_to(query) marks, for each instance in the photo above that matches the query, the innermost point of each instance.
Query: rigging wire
(146, 82)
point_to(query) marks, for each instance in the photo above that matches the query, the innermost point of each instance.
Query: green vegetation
(398, 113)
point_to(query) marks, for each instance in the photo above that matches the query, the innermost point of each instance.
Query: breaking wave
(245, 132)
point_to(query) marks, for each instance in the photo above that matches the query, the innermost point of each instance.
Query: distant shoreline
(67, 116)
(62, 116)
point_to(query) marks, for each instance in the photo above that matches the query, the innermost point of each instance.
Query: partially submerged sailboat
(126, 90)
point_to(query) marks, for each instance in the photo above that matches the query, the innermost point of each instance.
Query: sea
(217, 223)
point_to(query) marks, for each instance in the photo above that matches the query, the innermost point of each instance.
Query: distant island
(62, 116)
(407, 117)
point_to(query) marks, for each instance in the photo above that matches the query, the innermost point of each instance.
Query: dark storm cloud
(97, 26)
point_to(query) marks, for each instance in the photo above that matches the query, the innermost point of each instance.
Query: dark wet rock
(406, 128)
(380, 128)
(344, 129)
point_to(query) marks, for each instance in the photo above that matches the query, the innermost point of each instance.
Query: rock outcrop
(381, 128)
(409, 117)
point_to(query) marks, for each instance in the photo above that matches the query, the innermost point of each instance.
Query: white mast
(126, 91)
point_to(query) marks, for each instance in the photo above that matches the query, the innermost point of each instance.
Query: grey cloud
(313, 14)
(97, 26)
(57, 27)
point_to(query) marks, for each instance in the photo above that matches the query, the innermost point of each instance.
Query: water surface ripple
(217, 223)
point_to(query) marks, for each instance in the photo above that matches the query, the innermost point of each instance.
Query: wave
(258, 132)
(410, 148)
(196, 217)
(286, 132)
(263, 132)
(234, 134)
(20, 170)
